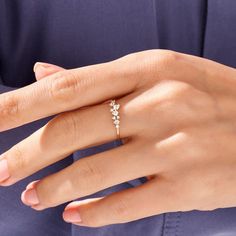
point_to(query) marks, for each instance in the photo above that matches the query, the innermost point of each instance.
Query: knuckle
(153, 65)
(143, 66)
(158, 56)
(9, 106)
(173, 91)
(126, 72)
(182, 89)
(46, 196)
(70, 122)
(74, 123)
(18, 159)
(63, 86)
(165, 62)
(89, 177)
(168, 57)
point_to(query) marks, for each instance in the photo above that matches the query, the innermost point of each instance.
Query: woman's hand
(177, 114)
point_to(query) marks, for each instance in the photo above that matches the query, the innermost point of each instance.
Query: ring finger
(62, 136)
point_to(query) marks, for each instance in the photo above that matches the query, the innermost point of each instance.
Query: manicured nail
(29, 197)
(32, 184)
(72, 216)
(40, 70)
(4, 172)
(40, 65)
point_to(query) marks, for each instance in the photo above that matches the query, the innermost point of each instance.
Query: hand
(178, 118)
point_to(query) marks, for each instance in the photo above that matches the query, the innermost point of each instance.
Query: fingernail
(32, 184)
(29, 197)
(4, 172)
(40, 65)
(40, 70)
(72, 216)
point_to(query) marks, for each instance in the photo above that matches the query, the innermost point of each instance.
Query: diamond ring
(115, 116)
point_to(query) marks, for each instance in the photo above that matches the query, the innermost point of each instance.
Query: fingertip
(30, 192)
(72, 216)
(32, 184)
(4, 171)
(42, 69)
(23, 198)
(36, 65)
(45, 65)
(29, 197)
(71, 205)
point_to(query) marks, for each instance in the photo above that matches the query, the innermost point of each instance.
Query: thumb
(42, 70)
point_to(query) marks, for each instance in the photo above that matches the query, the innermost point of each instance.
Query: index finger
(73, 89)
(64, 91)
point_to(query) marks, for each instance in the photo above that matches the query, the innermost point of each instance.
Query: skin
(178, 117)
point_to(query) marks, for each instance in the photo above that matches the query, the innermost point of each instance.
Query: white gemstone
(112, 103)
(115, 113)
(115, 117)
(117, 106)
(116, 122)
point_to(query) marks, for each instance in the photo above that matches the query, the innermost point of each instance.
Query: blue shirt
(81, 32)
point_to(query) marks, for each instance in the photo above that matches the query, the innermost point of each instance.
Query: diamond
(116, 107)
(115, 117)
(116, 122)
(112, 103)
(115, 113)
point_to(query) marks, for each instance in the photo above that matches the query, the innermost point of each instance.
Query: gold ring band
(115, 116)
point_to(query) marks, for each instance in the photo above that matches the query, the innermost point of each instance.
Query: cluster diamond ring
(115, 116)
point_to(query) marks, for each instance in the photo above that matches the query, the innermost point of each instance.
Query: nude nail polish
(72, 216)
(4, 172)
(39, 65)
(29, 197)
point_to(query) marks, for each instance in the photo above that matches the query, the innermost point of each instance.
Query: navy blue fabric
(81, 32)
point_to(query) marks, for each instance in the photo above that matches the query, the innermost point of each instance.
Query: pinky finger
(131, 204)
